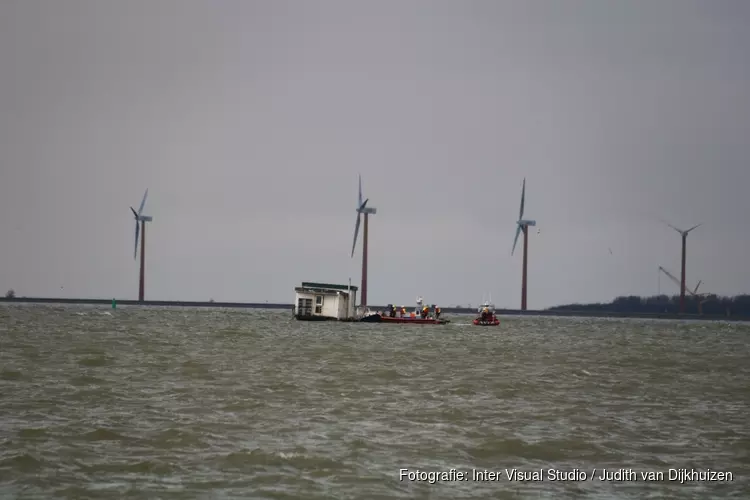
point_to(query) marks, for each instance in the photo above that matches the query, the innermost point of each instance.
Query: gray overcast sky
(249, 122)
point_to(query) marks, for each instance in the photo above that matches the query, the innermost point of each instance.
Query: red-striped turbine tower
(684, 235)
(362, 209)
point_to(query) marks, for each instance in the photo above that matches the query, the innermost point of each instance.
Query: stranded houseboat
(324, 302)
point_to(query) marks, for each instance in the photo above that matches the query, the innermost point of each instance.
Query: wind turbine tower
(140, 225)
(523, 225)
(684, 235)
(362, 209)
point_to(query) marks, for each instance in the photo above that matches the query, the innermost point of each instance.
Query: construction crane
(694, 292)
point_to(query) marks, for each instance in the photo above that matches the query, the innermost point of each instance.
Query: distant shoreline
(447, 310)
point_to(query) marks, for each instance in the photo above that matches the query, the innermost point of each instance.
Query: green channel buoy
(114, 304)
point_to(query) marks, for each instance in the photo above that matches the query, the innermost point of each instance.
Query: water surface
(170, 403)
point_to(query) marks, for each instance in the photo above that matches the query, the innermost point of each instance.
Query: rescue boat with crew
(487, 315)
(421, 315)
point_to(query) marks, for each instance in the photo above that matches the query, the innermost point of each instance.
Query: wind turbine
(362, 208)
(523, 225)
(684, 235)
(140, 223)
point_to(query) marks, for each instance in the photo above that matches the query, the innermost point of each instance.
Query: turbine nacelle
(144, 218)
(526, 223)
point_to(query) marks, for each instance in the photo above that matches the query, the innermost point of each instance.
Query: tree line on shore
(665, 304)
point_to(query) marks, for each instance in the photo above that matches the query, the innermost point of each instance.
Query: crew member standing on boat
(403, 311)
(425, 312)
(485, 313)
(437, 312)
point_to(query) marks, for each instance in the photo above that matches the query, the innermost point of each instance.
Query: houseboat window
(304, 306)
(319, 300)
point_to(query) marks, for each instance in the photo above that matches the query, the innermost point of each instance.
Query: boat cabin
(324, 301)
(487, 305)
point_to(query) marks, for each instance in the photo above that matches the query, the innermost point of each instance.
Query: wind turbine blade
(143, 202)
(359, 199)
(362, 206)
(137, 231)
(356, 232)
(523, 199)
(693, 227)
(135, 214)
(515, 240)
(670, 225)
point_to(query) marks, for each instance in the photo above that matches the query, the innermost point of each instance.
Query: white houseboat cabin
(324, 301)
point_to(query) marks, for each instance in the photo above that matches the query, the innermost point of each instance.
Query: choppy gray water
(178, 403)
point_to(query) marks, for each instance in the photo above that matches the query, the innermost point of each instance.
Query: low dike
(145, 303)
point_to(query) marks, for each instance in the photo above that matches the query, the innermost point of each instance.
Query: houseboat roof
(321, 291)
(327, 286)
